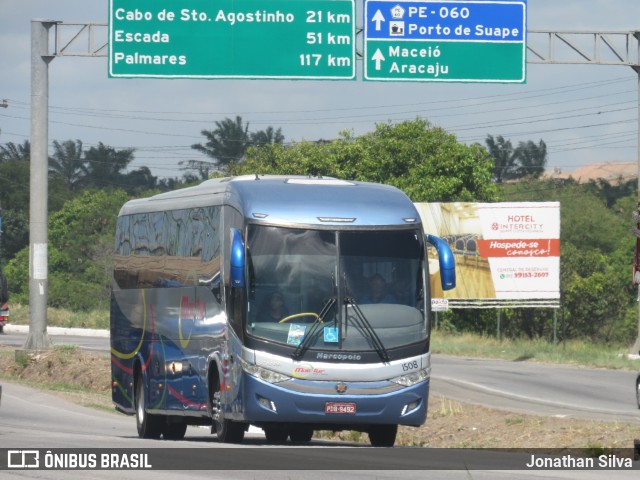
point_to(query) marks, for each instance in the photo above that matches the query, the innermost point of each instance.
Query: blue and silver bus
(289, 303)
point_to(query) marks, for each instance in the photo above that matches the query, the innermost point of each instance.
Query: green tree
(15, 233)
(68, 162)
(527, 160)
(83, 233)
(14, 201)
(532, 323)
(504, 156)
(11, 152)
(426, 162)
(598, 301)
(17, 273)
(80, 252)
(612, 191)
(14, 184)
(138, 181)
(269, 136)
(227, 145)
(531, 159)
(595, 295)
(105, 166)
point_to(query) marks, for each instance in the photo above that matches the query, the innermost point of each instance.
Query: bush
(76, 294)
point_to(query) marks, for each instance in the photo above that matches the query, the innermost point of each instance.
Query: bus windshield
(343, 290)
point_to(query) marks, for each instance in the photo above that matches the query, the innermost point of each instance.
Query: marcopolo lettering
(338, 356)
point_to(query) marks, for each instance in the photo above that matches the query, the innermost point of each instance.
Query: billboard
(507, 254)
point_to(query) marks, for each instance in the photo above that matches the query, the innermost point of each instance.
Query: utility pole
(41, 56)
(636, 346)
(38, 338)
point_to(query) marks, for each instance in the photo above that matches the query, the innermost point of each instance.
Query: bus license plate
(336, 407)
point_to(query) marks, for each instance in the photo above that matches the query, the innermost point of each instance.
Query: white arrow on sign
(378, 18)
(378, 57)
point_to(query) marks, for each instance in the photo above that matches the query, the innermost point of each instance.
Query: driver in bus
(273, 308)
(378, 291)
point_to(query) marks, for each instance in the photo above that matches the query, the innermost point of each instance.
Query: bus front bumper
(266, 402)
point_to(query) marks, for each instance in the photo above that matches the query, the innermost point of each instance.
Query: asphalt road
(540, 388)
(34, 419)
(95, 340)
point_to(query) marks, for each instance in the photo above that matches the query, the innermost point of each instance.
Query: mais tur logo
(303, 371)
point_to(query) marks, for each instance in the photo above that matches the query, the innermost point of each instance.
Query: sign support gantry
(593, 48)
(91, 40)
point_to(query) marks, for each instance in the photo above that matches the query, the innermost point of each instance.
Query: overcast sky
(584, 113)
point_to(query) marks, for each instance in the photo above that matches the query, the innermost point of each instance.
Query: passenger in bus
(273, 308)
(378, 291)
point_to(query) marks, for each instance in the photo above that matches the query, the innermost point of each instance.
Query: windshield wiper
(364, 325)
(314, 331)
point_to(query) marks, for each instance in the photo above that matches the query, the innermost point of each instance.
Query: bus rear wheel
(149, 426)
(383, 435)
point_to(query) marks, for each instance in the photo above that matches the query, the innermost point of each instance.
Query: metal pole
(0, 239)
(636, 345)
(38, 338)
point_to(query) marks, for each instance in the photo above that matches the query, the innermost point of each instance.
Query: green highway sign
(445, 40)
(252, 39)
(439, 61)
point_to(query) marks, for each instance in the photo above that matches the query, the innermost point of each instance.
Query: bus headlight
(412, 378)
(263, 374)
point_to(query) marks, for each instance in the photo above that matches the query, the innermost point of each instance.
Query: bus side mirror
(237, 258)
(445, 260)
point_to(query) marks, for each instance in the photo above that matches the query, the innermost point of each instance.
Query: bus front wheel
(174, 431)
(301, 434)
(149, 426)
(226, 430)
(383, 435)
(276, 434)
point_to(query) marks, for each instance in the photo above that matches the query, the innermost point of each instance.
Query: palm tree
(202, 167)
(505, 158)
(226, 144)
(267, 137)
(11, 152)
(68, 162)
(532, 159)
(106, 165)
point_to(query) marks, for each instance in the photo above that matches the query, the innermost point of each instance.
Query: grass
(60, 317)
(448, 408)
(65, 370)
(517, 420)
(572, 352)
